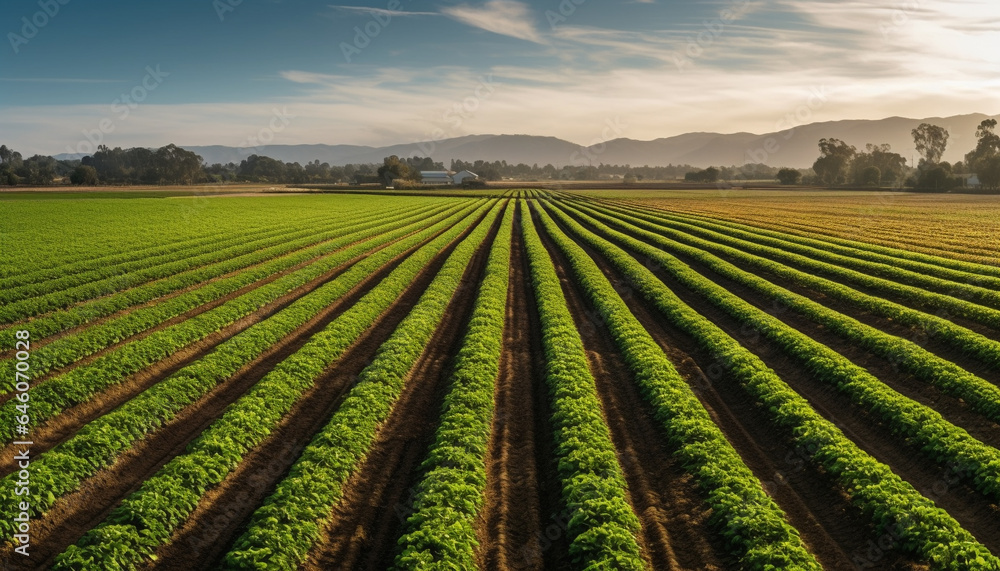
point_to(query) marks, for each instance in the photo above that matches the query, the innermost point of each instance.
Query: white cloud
(380, 11)
(505, 17)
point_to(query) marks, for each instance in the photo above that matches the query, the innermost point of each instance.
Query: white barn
(435, 177)
(460, 177)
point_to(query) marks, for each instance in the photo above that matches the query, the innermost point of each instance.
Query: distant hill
(795, 148)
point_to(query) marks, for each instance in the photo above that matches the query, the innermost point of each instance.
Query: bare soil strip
(510, 525)
(377, 499)
(80, 511)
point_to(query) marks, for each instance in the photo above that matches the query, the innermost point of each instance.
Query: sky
(75, 73)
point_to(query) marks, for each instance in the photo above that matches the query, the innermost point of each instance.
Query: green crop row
(49, 324)
(119, 281)
(890, 503)
(220, 249)
(71, 348)
(87, 263)
(984, 290)
(960, 338)
(915, 423)
(602, 528)
(51, 296)
(958, 307)
(441, 530)
(100, 442)
(147, 518)
(283, 530)
(956, 270)
(752, 524)
(981, 395)
(78, 385)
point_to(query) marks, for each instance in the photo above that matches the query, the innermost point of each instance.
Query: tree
(871, 176)
(628, 179)
(789, 176)
(834, 161)
(84, 175)
(984, 160)
(931, 141)
(711, 174)
(891, 166)
(392, 168)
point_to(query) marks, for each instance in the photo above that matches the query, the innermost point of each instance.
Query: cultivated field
(699, 380)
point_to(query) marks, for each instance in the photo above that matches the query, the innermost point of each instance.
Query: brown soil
(510, 524)
(79, 511)
(366, 523)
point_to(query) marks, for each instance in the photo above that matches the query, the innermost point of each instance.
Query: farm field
(527, 379)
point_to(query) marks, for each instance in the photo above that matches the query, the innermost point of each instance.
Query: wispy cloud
(380, 11)
(504, 17)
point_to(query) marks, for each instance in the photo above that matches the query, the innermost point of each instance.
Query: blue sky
(197, 72)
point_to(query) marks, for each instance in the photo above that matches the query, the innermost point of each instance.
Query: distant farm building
(435, 177)
(446, 178)
(461, 177)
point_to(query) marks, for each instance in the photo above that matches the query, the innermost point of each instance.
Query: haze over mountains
(795, 148)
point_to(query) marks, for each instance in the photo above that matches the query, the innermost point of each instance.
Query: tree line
(839, 164)
(842, 164)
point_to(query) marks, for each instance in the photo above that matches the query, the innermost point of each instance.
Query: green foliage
(78, 385)
(602, 527)
(99, 443)
(72, 347)
(881, 495)
(441, 532)
(752, 525)
(291, 518)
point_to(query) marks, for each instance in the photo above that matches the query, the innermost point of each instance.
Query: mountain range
(796, 147)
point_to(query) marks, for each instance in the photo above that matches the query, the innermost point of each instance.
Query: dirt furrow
(510, 529)
(80, 511)
(377, 499)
